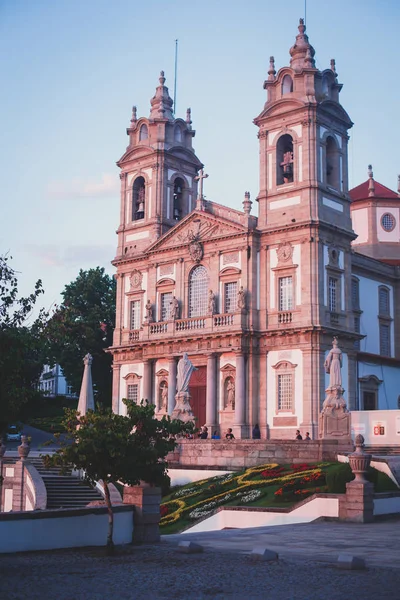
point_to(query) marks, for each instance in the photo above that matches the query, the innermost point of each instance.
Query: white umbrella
(86, 399)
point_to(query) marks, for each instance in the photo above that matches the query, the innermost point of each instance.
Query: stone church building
(256, 301)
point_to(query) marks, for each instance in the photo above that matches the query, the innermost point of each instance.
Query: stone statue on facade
(174, 308)
(241, 299)
(211, 303)
(149, 312)
(334, 420)
(183, 410)
(164, 397)
(230, 394)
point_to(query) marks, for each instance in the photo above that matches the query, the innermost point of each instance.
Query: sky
(72, 69)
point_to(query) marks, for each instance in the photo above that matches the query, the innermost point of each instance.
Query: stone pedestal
(358, 506)
(146, 500)
(183, 410)
(335, 425)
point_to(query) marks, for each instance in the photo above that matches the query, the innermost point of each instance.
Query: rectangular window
(369, 401)
(166, 300)
(285, 392)
(133, 392)
(355, 294)
(384, 339)
(384, 301)
(230, 297)
(135, 314)
(333, 304)
(357, 330)
(285, 293)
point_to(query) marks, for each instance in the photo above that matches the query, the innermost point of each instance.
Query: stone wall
(22, 487)
(238, 454)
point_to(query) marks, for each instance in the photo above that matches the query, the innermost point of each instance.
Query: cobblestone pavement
(159, 571)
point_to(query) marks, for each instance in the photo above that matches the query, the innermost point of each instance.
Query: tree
(112, 447)
(84, 323)
(21, 346)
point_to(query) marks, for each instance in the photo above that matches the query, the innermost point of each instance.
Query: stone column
(147, 364)
(240, 394)
(171, 384)
(211, 401)
(115, 387)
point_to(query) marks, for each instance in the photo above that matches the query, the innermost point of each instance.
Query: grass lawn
(269, 485)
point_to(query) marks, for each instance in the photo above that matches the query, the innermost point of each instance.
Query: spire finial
(302, 53)
(333, 67)
(371, 182)
(398, 184)
(271, 70)
(134, 112)
(161, 103)
(189, 116)
(247, 203)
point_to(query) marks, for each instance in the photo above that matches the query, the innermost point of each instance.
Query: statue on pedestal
(335, 419)
(149, 312)
(183, 410)
(241, 299)
(334, 393)
(211, 303)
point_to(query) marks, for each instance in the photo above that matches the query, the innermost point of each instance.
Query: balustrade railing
(221, 320)
(134, 335)
(285, 317)
(188, 324)
(158, 328)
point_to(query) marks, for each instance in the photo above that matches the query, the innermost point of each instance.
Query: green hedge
(340, 474)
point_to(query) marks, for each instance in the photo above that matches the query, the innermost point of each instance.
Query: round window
(388, 222)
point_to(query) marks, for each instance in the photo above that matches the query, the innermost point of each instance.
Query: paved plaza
(305, 569)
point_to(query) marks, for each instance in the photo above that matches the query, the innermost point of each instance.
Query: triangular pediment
(198, 226)
(335, 109)
(135, 153)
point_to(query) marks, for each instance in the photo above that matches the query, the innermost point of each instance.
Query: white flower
(251, 496)
(184, 492)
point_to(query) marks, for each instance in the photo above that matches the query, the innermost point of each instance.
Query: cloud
(82, 256)
(107, 185)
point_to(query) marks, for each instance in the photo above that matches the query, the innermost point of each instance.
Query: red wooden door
(197, 390)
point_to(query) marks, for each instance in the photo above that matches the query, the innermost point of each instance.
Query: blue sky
(71, 71)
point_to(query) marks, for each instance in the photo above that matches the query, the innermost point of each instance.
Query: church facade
(256, 301)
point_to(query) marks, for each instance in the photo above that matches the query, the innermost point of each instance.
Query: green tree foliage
(111, 447)
(84, 323)
(21, 347)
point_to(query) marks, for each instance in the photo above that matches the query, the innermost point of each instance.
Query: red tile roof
(361, 192)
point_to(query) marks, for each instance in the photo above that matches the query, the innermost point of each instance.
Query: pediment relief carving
(196, 229)
(284, 365)
(227, 367)
(162, 373)
(132, 377)
(230, 271)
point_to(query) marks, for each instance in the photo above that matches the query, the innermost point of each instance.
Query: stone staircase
(65, 491)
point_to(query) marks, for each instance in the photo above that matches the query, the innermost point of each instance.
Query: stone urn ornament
(359, 461)
(24, 448)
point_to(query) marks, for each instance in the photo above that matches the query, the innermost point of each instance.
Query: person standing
(256, 434)
(298, 435)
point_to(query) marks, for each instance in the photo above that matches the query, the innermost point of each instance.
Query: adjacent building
(256, 301)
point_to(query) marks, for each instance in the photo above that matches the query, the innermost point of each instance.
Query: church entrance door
(197, 390)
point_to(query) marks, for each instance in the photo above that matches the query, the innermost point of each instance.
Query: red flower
(164, 510)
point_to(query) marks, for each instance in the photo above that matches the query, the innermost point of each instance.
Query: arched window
(178, 199)
(177, 134)
(138, 199)
(198, 292)
(287, 85)
(332, 163)
(143, 133)
(325, 86)
(284, 160)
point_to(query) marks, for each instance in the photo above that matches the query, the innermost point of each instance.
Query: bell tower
(158, 170)
(303, 143)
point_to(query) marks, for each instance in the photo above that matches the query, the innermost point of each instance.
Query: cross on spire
(200, 178)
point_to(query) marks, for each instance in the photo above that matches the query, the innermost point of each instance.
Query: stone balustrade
(180, 327)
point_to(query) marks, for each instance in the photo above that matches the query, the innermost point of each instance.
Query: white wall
(359, 219)
(308, 512)
(379, 427)
(273, 358)
(40, 533)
